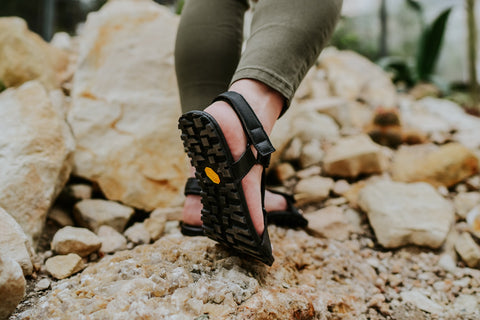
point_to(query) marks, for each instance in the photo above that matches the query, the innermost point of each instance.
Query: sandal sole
(225, 217)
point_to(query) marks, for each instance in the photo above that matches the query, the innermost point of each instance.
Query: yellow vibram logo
(212, 175)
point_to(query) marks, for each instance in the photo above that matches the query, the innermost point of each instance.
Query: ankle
(265, 102)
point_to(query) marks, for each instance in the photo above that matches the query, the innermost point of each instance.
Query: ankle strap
(253, 128)
(192, 187)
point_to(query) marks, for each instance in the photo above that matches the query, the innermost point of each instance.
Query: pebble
(43, 284)
(468, 250)
(422, 302)
(447, 262)
(137, 234)
(63, 266)
(111, 239)
(75, 240)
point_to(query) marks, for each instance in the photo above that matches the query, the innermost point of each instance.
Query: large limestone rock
(402, 214)
(24, 56)
(12, 286)
(36, 146)
(354, 77)
(445, 165)
(354, 155)
(14, 244)
(125, 105)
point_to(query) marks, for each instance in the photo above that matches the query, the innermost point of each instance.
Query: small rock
(329, 222)
(473, 221)
(354, 155)
(309, 172)
(447, 263)
(402, 214)
(12, 286)
(111, 239)
(464, 202)
(14, 244)
(293, 151)
(63, 266)
(309, 124)
(377, 300)
(312, 154)
(92, 213)
(75, 240)
(341, 187)
(421, 301)
(354, 219)
(284, 171)
(155, 224)
(138, 233)
(468, 250)
(79, 191)
(43, 284)
(60, 216)
(313, 189)
(466, 304)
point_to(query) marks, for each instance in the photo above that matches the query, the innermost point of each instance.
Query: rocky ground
(93, 171)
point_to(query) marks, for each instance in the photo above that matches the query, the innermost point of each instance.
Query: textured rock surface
(63, 266)
(187, 277)
(24, 56)
(35, 155)
(354, 155)
(93, 213)
(14, 244)
(137, 109)
(402, 214)
(12, 286)
(75, 240)
(445, 165)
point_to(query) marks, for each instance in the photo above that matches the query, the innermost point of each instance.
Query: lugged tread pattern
(225, 216)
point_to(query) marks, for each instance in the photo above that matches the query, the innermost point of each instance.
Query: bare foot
(267, 105)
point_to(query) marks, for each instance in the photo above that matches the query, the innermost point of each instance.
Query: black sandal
(225, 214)
(192, 187)
(289, 218)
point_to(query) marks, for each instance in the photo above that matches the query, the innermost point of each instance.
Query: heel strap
(253, 128)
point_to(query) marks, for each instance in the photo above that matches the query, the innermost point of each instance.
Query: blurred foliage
(345, 37)
(2, 86)
(422, 68)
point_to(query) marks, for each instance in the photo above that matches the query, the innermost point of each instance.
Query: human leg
(266, 85)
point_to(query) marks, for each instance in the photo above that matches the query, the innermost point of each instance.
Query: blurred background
(418, 41)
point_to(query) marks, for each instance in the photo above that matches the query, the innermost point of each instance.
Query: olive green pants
(286, 39)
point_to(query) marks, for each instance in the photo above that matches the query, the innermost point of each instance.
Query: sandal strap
(192, 187)
(253, 128)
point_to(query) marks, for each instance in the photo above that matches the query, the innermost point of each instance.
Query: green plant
(429, 47)
(2, 86)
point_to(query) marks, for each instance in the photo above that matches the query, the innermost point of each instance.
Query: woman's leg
(207, 52)
(287, 37)
(207, 49)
